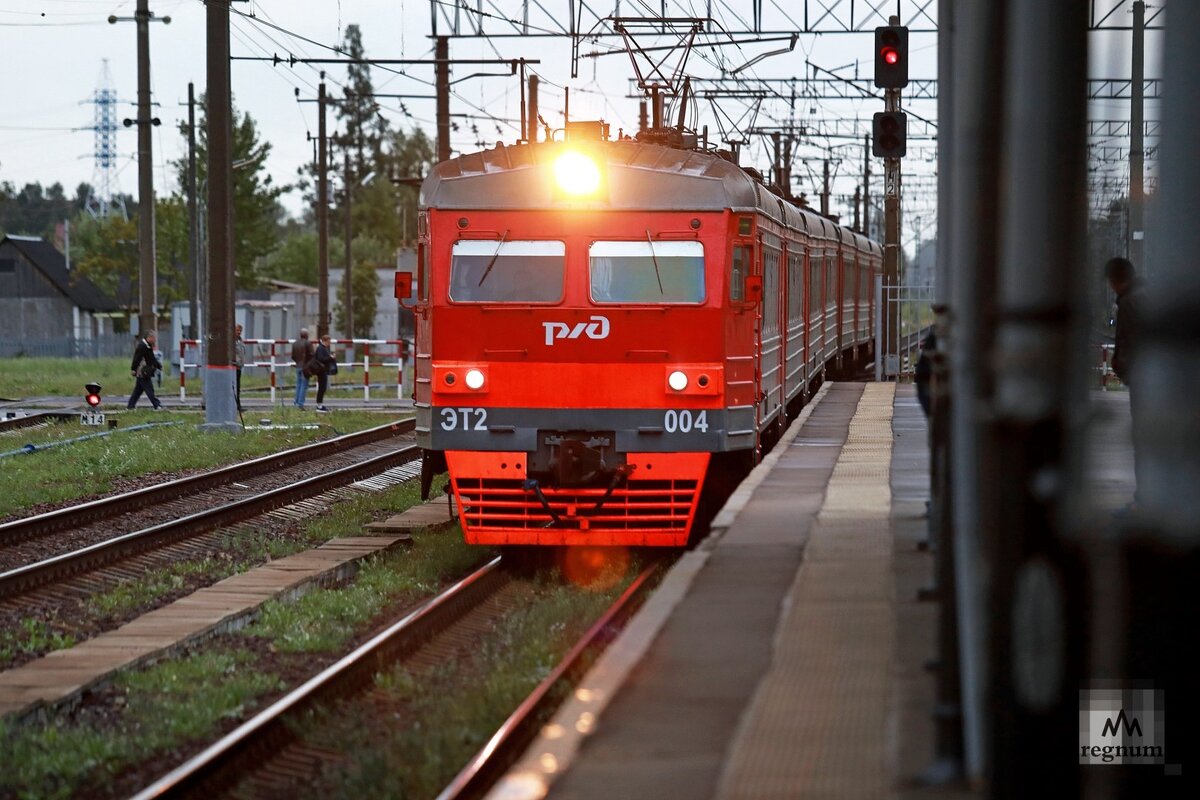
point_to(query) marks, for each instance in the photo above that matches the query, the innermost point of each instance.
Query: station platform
(785, 657)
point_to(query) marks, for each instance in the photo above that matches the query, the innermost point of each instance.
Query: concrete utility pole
(147, 273)
(441, 71)
(1038, 593)
(866, 192)
(825, 191)
(193, 217)
(346, 278)
(531, 132)
(219, 376)
(322, 214)
(1137, 152)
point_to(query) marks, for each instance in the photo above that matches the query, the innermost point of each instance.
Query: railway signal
(92, 415)
(891, 57)
(92, 398)
(889, 130)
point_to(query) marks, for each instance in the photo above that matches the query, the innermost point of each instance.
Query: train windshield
(507, 272)
(647, 272)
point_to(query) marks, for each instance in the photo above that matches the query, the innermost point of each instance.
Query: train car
(603, 327)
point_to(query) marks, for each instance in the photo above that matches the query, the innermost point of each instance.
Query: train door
(770, 354)
(816, 306)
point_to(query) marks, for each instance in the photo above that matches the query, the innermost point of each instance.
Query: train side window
(739, 270)
(483, 271)
(646, 272)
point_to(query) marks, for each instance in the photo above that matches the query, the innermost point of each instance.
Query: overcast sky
(54, 51)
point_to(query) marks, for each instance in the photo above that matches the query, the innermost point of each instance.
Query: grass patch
(443, 716)
(165, 706)
(99, 466)
(32, 636)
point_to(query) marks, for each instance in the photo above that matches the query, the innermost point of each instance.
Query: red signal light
(93, 400)
(890, 55)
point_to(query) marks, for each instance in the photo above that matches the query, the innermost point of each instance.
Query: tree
(35, 211)
(295, 259)
(363, 127)
(108, 255)
(256, 209)
(368, 254)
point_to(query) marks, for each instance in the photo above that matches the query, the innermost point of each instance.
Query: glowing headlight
(676, 380)
(576, 174)
(474, 379)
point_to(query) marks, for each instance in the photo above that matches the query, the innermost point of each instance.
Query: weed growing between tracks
(441, 716)
(28, 638)
(129, 460)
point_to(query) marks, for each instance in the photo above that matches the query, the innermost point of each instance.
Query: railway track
(264, 757)
(38, 420)
(210, 524)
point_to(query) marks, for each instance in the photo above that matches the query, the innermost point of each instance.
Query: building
(46, 309)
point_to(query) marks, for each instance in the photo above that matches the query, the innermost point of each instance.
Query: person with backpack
(144, 365)
(302, 352)
(323, 365)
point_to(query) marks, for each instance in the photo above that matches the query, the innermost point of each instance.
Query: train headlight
(474, 379)
(576, 174)
(677, 380)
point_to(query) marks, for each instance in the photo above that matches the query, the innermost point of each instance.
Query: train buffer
(787, 655)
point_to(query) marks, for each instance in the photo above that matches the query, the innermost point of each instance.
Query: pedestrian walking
(239, 361)
(324, 365)
(302, 353)
(1123, 280)
(143, 367)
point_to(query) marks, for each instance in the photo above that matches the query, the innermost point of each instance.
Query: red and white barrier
(1105, 368)
(274, 363)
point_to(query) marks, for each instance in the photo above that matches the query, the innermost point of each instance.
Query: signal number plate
(92, 418)
(464, 419)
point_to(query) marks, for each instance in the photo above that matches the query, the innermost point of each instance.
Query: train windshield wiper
(654, 258)
(492, 263)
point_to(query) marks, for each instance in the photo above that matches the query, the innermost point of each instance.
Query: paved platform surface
(785, 657)
(63, 675)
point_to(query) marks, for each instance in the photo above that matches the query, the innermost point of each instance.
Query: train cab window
(740, 268)
(647, 272)
(507, 272)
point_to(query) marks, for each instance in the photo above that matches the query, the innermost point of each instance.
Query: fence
(272, 362)
(909, 309)
(67, 346)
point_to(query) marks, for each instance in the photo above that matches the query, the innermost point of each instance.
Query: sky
(55, 51)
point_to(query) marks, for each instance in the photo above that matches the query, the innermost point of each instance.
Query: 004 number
(685, 422)
(467, 419)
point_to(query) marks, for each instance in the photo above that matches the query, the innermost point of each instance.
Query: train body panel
(584, 363)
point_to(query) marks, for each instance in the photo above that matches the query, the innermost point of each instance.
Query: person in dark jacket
(144, 365)
(302, 352)
(1123, 280)
(1127, 287)
(924, 373)
(324, 366)
(239, 361)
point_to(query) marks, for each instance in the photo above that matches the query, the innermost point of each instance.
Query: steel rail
(210, 770)
(25, 578)
(489, 764)
(109, 507)
(38, 418)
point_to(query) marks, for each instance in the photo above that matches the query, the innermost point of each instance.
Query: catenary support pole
(193, 219)
(976, 107)
(1030, 499)
(219, 374)
(322, 214)
(866, 194)
(348, 303)
(532, 132)
(441, 73)
(1137, 153)
(947, 713)
(147, 273)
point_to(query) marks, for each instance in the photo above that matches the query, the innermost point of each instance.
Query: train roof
(639, 176)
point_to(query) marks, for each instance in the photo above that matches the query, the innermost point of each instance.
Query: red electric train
(603, 327)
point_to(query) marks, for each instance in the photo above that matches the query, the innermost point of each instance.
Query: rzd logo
(596, 329)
